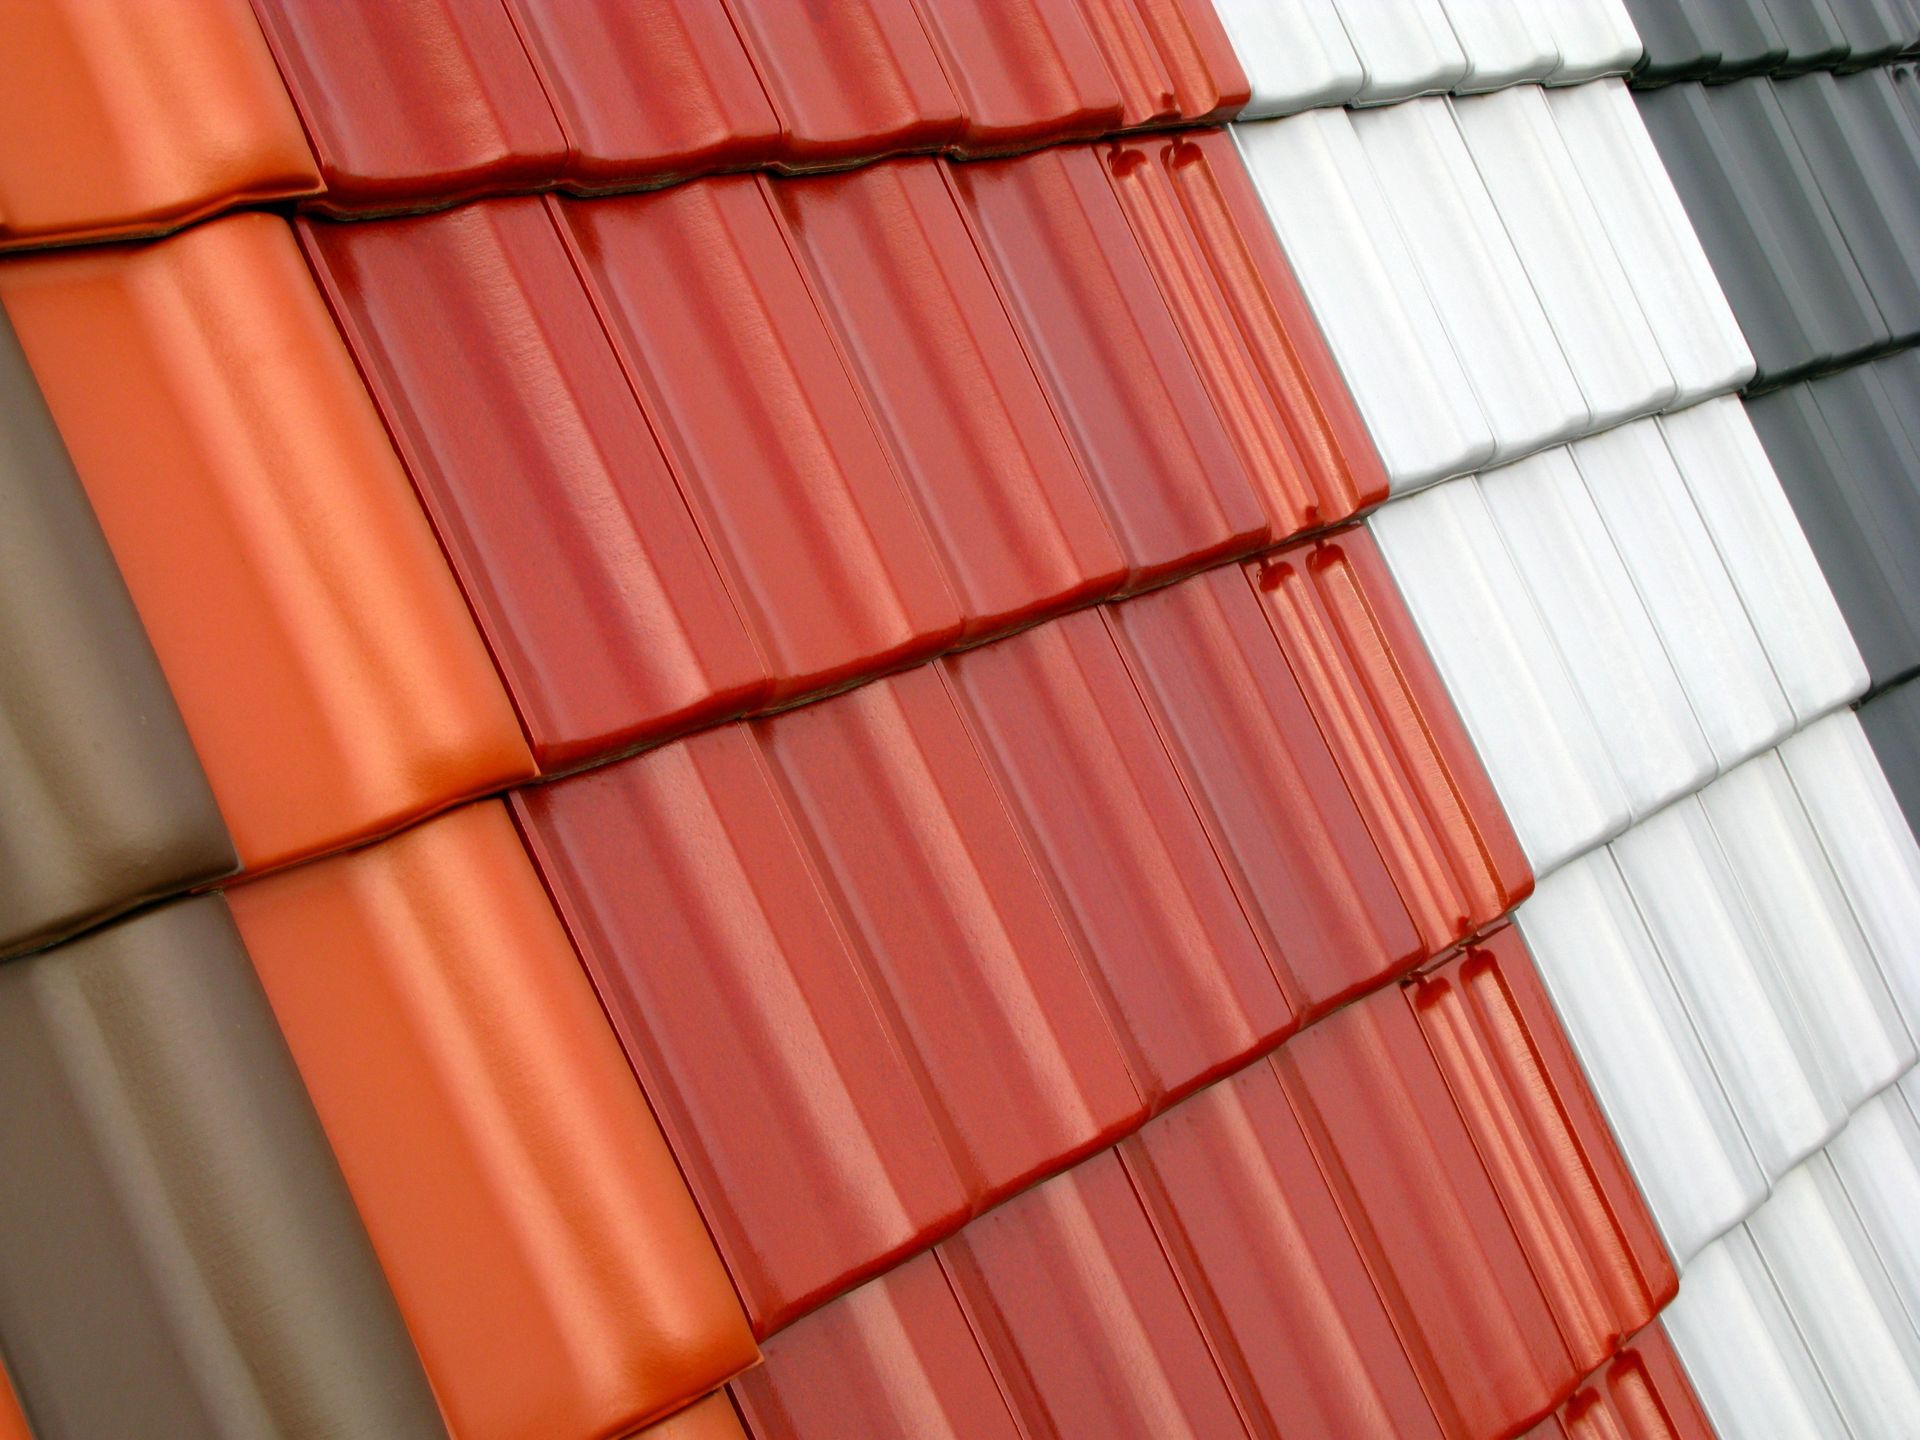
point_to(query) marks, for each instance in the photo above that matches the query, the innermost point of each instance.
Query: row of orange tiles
(412, 104)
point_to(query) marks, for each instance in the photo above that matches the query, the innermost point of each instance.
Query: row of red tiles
(411, 103)
(446, 98)
(704, 451)
(1162, 837)
(1411, 1222)
(885, 960)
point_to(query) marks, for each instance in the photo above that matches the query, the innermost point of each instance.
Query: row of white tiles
(1496, 274)
(1620, 619)
(1804, 1323)
(1645, 652)
(1740, 974)
(1300, 54)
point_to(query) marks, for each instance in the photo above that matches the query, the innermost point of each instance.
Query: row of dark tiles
(1892, 721)
(1806, 195)
(1847, 450)
(869, 421)
(1717, 40)
(357, 105)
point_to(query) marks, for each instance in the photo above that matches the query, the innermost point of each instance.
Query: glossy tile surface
(575, 1293)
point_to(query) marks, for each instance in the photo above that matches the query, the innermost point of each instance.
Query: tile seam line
(312, 202)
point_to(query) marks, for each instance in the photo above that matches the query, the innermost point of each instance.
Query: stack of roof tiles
(733, 719)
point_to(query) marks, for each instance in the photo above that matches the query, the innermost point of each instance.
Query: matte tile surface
(183, 1256)
(101, 795)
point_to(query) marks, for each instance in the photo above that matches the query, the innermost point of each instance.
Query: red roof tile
(1428, 1220)
(828, 560)
(1591, 1243)
(121, 117)
(1641, 1394)
(1253, 758)
(327, 668)
(1384, 713)
(1267, 368)
(850, 79)
(592, 586)
(415, 98)
(1176, 493)
(1083, 1317)
(1027, 71)
(1273, 1273)
(751, 1024)
(956, 928)
(1172, 59)
(951, 391)
(895, 1356)
(1182, 976)
(546, 1256)
(648, 91)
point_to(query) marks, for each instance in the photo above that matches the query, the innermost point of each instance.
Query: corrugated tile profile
(540, 1242)
(182, 1254)
(102, 798)
(326, 666)
(421, 104)
(1726, 39)
(1845, 452)
(123, 118)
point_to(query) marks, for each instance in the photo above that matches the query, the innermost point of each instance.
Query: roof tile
(895, 1356)
(182, 1255)
(1406, 48)
(1123, 383)
(1251, 752)
(1081, 1313)
(1566, 1188)
(752, 1027)
(264, 525)
(849, 78)
(426, 98)
(1296, 53)
(1427, 1218)
(599, 1300)
(105, 801)
(1586, 597)
(1853, 479)
(1184, 980)
(1271, 1269)
(830, 564)
(1556, 230)
(1385, 716)
(1641, 1054)
(1201, 227)
(1343, 242)
(956, 928)
(1503, 671)
(1467, 265)
(1168, 50)
(166, 113)
(951, 391)
(648, 91)
(1720, 961)
(1641, 1394)
(1647, 225)
(593, 587)
(1026, 71)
